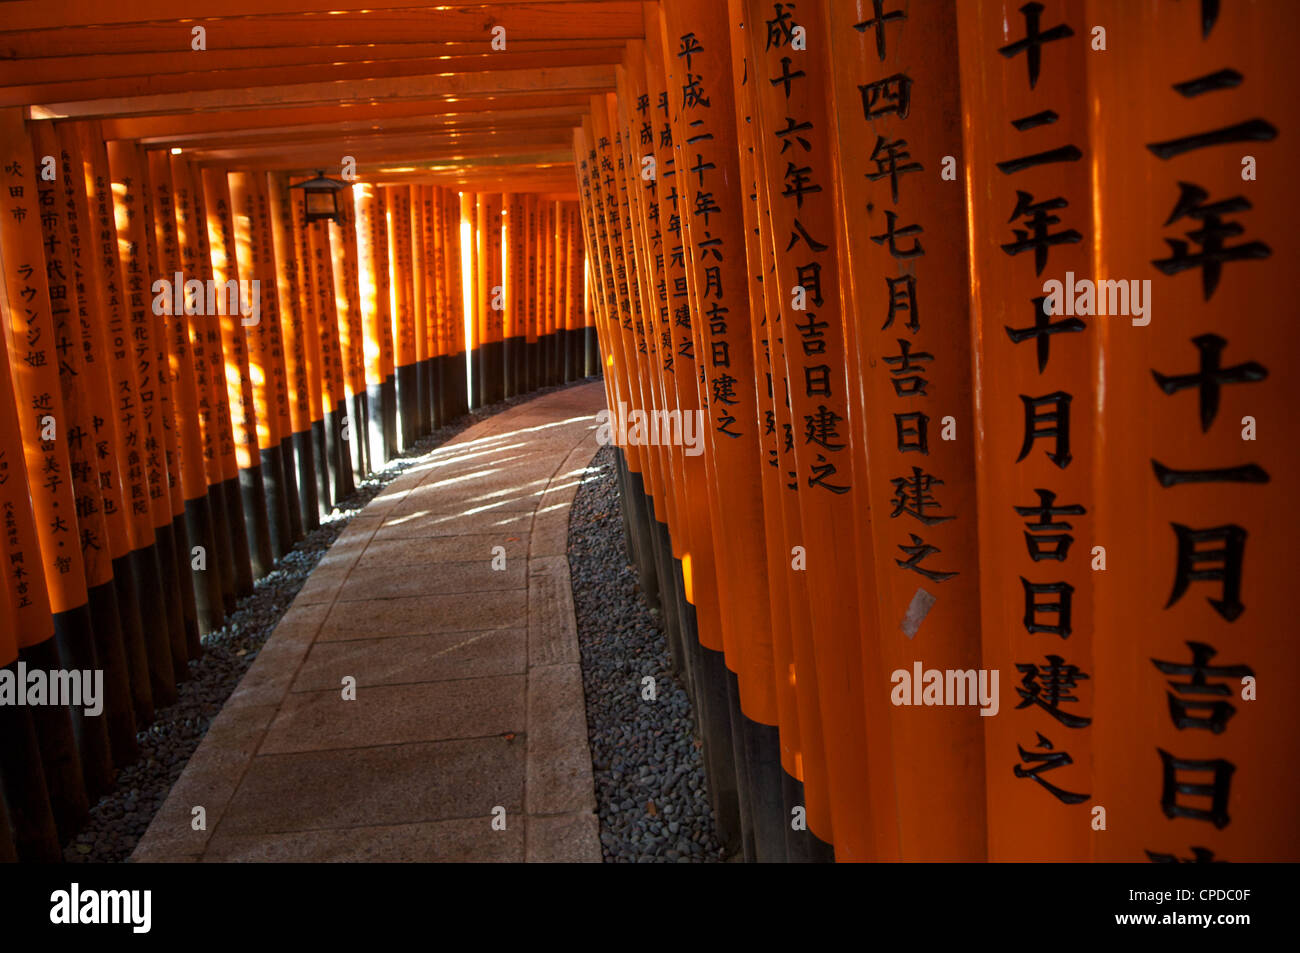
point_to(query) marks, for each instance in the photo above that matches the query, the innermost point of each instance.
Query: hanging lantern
(322, 197)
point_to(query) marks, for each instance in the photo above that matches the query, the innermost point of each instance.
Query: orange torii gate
(982, 304)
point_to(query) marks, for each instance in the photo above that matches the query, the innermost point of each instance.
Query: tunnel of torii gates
(943, 342)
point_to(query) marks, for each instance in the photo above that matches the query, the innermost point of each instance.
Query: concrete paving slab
(393, 784)
(397, 714)
(468, 690)
(420, 615)
(458, 841)
(414, 658)
(435, 550)
(381, 582)
(564, 839)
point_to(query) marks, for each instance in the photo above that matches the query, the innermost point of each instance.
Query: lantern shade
(321, 197)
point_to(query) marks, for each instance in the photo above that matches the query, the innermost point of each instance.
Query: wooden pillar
(81, 767)
(790, 84)
(534, 293)
(800, 742)
(136, 573)
(347, 291)
(333, 385)
(207, 346)
(315, 367)
(494, 281)
(457, 345)
(162, 609)
(27, 758)
(910, 361)
(512, 340)
(372, 243)
(1194, 209)
(436, 283)
(405, 354)
(254, 261)
(419, 307)
(198, 558)
(89, 433)
(1028, 170)
(239, 295)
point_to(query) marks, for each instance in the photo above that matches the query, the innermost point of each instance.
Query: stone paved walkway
(468, 690)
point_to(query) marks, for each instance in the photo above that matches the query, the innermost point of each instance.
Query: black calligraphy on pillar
(1214, 786)
(1048, 686)
(1199, 702)
(1045, 760)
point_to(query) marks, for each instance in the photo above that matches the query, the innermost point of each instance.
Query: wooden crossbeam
(407, 88)
(67, 69)
(329, 152)
(156, 83)
(179, 124)
(548, 117)
(43, 14)
(471, 25)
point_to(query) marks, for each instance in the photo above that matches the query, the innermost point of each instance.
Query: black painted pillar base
(459, 378)
(333, 469)
(519, 364)
(390, 416)
(744, 784)
(591, 351)
(221, 558)
(494, 360)
(64, 781)
(671, 622)
(257, 524)
(535, 364)
(685, 631)
(190, 645)
(240, 540)
(292, 495)
(801, 846)
(508, 385)
(305, 466)
(321, 459)
(421, 399)
(475, 378)
(483, 375)
(713, 711)
(356, 442)
(160, 613)
(280, 538)
(431, 394)
(343, 430)
(117, 714)
(438, 391)
(339, 467)
(375, 426)
(75, 637)
(766, 802)
(408, 402)
(136, 651)
(639, 517)
(563, 359)
(23, 786)
(208, 598)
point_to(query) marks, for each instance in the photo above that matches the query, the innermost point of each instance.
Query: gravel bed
(120, 818)
(650, 789)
